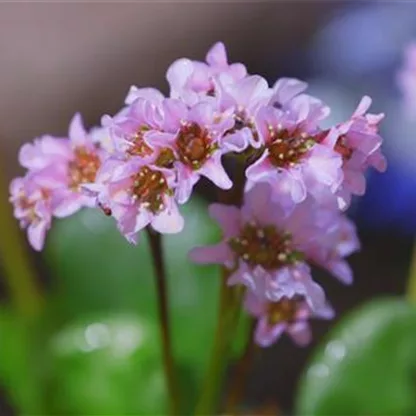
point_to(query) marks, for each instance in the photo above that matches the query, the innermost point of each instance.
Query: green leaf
(19, 371)
(96, 270)
(106, 365)
(367, 366)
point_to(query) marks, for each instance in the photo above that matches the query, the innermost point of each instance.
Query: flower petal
(217, 254)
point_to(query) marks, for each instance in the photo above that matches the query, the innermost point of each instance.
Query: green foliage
(19, 369)
(96, 270)
(107, 365)
(100, 279)
(367, 366)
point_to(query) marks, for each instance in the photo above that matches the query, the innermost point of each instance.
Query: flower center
(165, 158)
(286, 149)
(138, 146)
(28, 205)
(264, 246)
(241, 120)
(149, 187)
(282, 311)
(83, 168)
(194, 145)
(342, 148)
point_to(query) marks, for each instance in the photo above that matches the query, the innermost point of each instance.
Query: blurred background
(59, 58)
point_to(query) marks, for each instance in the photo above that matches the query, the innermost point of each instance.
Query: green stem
(18, 271)
(230, 302)
(411, 285)
(240, 374)
(155, 243)
(228, 312)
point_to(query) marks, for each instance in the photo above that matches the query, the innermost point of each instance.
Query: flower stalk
(229, 306)
(411, 285)
(241, 371)
(155, 243)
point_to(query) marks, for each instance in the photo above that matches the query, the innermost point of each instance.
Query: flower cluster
(141, 164)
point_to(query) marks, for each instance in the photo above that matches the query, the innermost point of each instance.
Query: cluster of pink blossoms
(144, 162)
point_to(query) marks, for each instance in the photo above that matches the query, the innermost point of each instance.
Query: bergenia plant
(289, 186)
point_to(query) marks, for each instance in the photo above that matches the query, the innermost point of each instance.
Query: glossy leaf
(367, 366)
(108, 365)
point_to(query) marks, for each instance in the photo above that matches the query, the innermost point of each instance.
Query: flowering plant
(283, 183)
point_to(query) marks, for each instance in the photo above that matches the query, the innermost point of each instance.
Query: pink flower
(32, 207)
(267, 249)
(284, 90)
(289, 314)
(63, 165)
(292, 162)
(83, 159)
(252, 94)
(43, 152)
(128, 128)
(244, 98)
(192, 81)
(137, 193)
(193, 134)
(331, 248)
(359, 145)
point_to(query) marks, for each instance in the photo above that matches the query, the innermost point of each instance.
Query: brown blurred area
(59, 58)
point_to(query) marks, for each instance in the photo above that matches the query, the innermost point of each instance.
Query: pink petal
(178, 74)
(56, 146)
(237, 71)
(217, 55)
(214, 171)
(341, 270)
(168, 221)
(187, 178)
(258, 205)
(68, 204)
(238, 141)
(250, 90)
(202, 114)
(175, 112)
(378, 161)
(159, 139)
(228, 217)
(36, 235)
(127, 169)
(301, 333)
(242, 275)
(265, 335)
(324, 165)
(291, 180)
(355, 182)
(254, 305)
(77, 133)
(326, 312)
(217, 254)
(134, 222)
(260, 169)
(151, 94)
(363, 106)
(287, 88)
